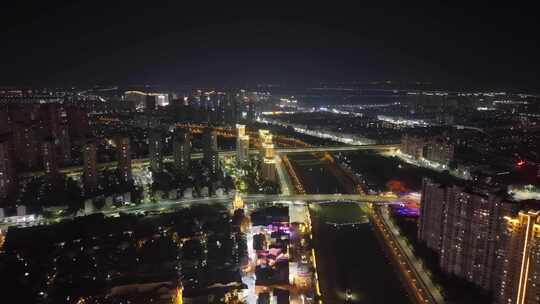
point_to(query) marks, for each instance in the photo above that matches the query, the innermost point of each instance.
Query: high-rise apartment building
(463, 227)
(520, 274)
(77, 121)
(7, 174)
(430, 222)
(268, 163)
(181, 150)
(49, 157)
(124, 158)
(435, 149)
(231, 108)
(439, 150)
(90, 177)
(412, 146)
(26, 145)
(242, 144)
(64, 144)
(155, 151)
(210, 150)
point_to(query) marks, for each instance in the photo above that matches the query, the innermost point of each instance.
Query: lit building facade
(182, 150)
(242, 144)
(48, 154)
(268, 163)
(155, 151)
(520, 275)
(238, 202)
(7, 174)
(64, 144)
(436, 149)
(412, 145)
(26, 145)
(90, 177)
(210, 150)
(124, 158)
(147, 101)
(430, 222)
(439, 150)
(463, 228)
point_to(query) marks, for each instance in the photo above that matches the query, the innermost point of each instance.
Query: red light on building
(520, 163)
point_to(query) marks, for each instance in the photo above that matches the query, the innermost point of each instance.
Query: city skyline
(185, 153)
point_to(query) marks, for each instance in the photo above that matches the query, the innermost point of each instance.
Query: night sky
(99, 42)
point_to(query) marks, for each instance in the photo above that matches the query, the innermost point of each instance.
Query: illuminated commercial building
(520, 275)
(90, 178)
(147, 101)
(182, 150)
(268, 163)
(463, 227)
(155, 149)
(124, 158)
(7, 175)
(242, 144)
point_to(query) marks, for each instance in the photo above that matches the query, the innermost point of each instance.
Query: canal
(348, 257)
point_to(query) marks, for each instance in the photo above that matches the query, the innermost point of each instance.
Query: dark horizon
(470, 47)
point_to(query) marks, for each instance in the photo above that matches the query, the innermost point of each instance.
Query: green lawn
(339, 212)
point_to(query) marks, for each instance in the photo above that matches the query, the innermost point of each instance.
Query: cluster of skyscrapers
(37, 136)
(483, 238)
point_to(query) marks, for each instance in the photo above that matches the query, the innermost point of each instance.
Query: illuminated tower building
(178, 297)
(7, 174)
(90, 178)
(520, 275)
(268, 164)
(182, 150)
(48, 154)
(124, 158)
(155, 148)
(210, 150)
(238, 202)
(242, 144)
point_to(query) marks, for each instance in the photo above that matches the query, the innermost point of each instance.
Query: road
(413, 271)
(139, 163)
(164, 205)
